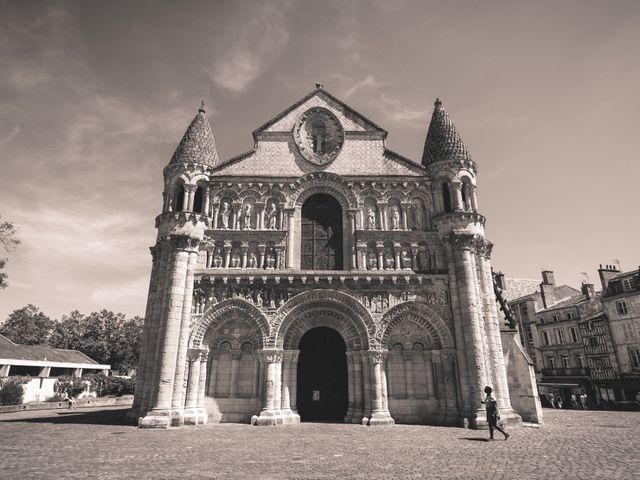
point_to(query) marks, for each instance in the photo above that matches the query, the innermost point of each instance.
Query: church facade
(320, 276)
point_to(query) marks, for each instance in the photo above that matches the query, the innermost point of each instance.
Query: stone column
(235, 360)
(211, 386)
(366, 388)
(227, 254)
(379, 409)
(457, 196)
(270, 414)
(428, 367)
(185, 198)
(202, 385)
(279, 257)
(207, 194)
(397, 249)
(350, 387)
(405, 209)
(293, 386)
(414, 257)
(362, 256)
(216, 214)
(259, 216)
(352, 239)
(245, 250)
(177, 402)
(380, 250)
(235, 218)
(407, 356)
(469, 323)
(474, 198)
(261, 255)
(289, 384)
(358, 406)
(291, 240)
(383, 217)
(193, 383)
(160, 414)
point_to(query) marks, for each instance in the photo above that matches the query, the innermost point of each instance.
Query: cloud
(400, 113)
(259, 43)
(368, 82)
(10, 135)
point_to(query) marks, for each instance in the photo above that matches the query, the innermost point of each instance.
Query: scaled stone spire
(443, 141)
(197, 144)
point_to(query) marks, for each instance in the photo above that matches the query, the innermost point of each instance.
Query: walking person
(493, 414)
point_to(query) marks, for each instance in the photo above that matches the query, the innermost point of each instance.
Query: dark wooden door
(321, 241)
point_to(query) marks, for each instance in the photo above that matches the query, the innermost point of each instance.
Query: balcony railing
(604, 374)
(565, 372)
(597, 350)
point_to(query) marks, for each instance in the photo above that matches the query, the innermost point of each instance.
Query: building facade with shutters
(320, 276)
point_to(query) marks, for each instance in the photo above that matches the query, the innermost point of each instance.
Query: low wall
(91, 402)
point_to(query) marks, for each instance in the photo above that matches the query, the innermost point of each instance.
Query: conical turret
(197, 144)
(443, 141)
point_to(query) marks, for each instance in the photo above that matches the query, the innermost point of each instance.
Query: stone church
(321, 277)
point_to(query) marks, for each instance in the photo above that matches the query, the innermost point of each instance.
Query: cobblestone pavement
(97, 444)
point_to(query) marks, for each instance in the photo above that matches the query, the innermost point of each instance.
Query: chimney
(606, 273)
(547, 288)
(588, 291)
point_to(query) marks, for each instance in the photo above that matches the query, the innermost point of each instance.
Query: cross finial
(201, 109)
(438, 103)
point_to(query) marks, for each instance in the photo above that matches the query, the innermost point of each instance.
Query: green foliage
(56, 397)
(12, 390)
(71, 387)
(27, 326)
(111, 386)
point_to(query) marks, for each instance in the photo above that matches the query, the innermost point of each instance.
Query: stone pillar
(211, 385)
(289, 384)
(474, 198)
(428, 367)
(235, 218)
(216, 214)
(194, 379)
(207, 194)
(270, 414)
(261, 255)
(383, 216)
(160, 414)
(366, 388)
(227, 255)
(279, 257)
(235, 360)
(407, 356)
(414, 257)
(350, 388)
(358, 406)
(362, 256)
(470, 324)
(397, 249)
(202, 385)
(291, 240)
(458, 204)
(379, 408)
(259, 216)
(245, 250)
(405, 209)
(380, 250)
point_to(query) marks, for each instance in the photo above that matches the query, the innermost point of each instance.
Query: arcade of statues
(320, 276)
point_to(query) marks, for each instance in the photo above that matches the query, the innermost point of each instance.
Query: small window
(565, 361)
(556, 318)
(545, 338)
(446, 197)
(552, 362)
(543, 320)
(627, 284)
(560, 336)
(580, 361)
(198, 199)
(634, 353)
(621, 307)
(569, 315)
(574, 334)
(525, 311)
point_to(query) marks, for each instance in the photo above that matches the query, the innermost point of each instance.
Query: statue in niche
(371, 219)
(259, 300)
(235, 260)
(389, 261)
(217, 258)
(423, 258)
(246, 217)
(395, 218)
(319, 139)
(417, 218)
(225, 213)
(405, 259)
(272, 216)
(253, 260)
(372, 260)
(270, 261)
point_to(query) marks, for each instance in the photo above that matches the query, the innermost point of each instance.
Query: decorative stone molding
(377, 356)
(322, 182)
(421, 315)
(270, 355)
(318, 135)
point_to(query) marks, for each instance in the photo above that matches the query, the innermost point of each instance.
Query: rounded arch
(328, 183)
(329, 308)
(221, 311)
(254, 194)
(274, 195)
(225, 193)
(370, 193)
(421, 315)
(199, 178)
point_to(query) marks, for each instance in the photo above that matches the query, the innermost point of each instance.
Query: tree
(9, 242)
(71, 387)
(27, 326)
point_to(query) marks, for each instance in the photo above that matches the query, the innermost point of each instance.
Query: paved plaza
(97, 444)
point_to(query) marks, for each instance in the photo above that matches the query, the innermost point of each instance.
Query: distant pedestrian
(584, 401)
(552, 400)
(559, 401)
(493, 414)
(574, 402)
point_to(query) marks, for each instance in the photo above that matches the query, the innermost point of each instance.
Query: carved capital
(183, 242)
(235, 354)
(463, 241)
(270, 356)
(197, 354)
(407, 355)
(377, 356)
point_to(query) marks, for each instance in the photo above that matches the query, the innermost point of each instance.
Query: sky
(95, 96)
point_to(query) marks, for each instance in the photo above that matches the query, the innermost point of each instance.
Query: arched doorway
(321, 233)
(322, 376)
